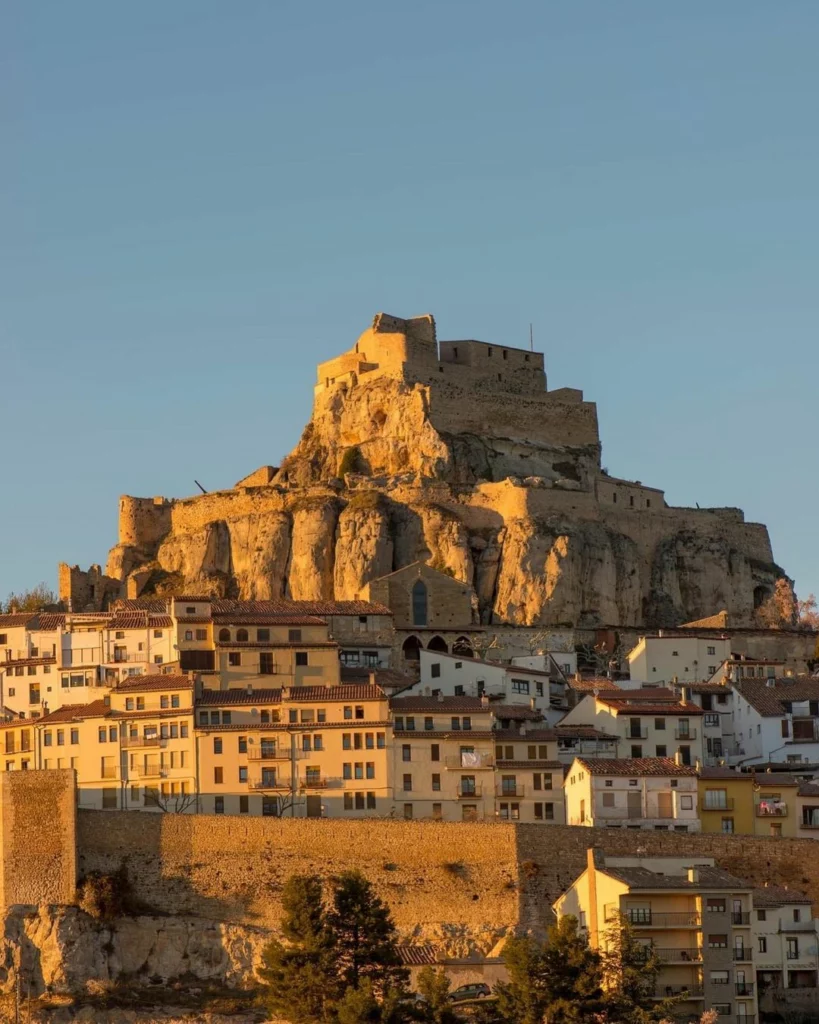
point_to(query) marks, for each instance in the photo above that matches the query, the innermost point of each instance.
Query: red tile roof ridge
(635, 766)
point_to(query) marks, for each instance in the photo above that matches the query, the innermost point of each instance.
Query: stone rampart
(37, 837)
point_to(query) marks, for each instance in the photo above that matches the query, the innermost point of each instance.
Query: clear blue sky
(202, 200)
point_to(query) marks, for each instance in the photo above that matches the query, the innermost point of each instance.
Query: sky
(200, 200)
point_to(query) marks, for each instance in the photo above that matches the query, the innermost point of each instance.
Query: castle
(453, 453)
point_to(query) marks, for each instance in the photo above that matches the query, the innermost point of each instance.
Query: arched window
(437, 643)
(463, 648)
(241, 636)
(410, 648)
(224, 634)
(419, 603)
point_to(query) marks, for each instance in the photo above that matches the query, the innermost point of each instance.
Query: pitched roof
(635, 766)
(389, 677)
(49, 660)
(708, 878)
(777, 896)
(354, 691)
(265, 619)
(224, 698)
(421, 702)
(646, 707)
(582, 732)
(139, 620)
(136, 684)
(13, 619)
(47, 622)
(769, 701)
(808, 789)
(418, 956)
(77, 712)
(226, 606)
(545, 735)
(149, 604)
(725, 774)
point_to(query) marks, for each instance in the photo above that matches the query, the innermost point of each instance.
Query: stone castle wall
(37, 837)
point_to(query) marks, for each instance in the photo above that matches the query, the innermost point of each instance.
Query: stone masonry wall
(37, 837)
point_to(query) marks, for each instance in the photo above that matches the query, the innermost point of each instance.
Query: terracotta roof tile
(136, 684)
(47, 622)
(149, 604)
(769, 700)
(225, 606)
(639, 707)
(581, 732)
(265, 619)
(545, 735)
(226, 698)
(420, 702)
(635, 766)
(418, 956)
(77, 712)
(777, 896)
(28, 661)
(16, 619)
(362, 691)
(139, 620)
(388, 677)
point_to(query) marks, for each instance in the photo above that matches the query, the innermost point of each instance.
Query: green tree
(301, 983)
(359, 1006)
(630, 971)
(434, 987)
(363, 937)
(559, 981)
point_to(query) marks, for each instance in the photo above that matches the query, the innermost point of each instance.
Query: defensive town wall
(465, 883)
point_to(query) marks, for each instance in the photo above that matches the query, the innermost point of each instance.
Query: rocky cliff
(458, 455)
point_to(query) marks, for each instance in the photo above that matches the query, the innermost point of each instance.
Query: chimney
(660, 633)
(685, 695)
(693, 875)
(249, 690)
(522, 729)
(372, 678)
(577, 677)
(678, 758)
(484, 700)
(532, 704)
(440, 697)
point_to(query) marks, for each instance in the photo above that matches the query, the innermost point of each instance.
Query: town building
(467, 758)
(666, 658)
(583, 741)
(761, 804)
(696, 916)
(776, 720)
(648, 723)
(740, 667)
(717, 703)
(785, 936)
(636, 793)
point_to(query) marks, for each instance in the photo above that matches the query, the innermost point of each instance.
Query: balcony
(744, 988)
(141, 741)
(641, 919)
(745, 1018)
(271, 783)
(463, 762)
(270, 754)
(690, 955)
(151, 771)
(637, 734)
(743, 955)
(510, 791)
(318, 782)
(685, 734)
(771, 810)
(725, 805)
(798, 926)
(110, 772)
(740, 918)
(468, 792)
(686, 991)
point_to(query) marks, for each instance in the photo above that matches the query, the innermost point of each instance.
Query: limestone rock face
(458, 458)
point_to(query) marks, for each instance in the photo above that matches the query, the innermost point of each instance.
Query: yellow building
(763, 804)
(314, 751)
(695, 915)
(19, 747)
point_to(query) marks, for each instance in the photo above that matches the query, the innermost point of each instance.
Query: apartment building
(717, 703)
(785, 936)
(18, 745)
(301, 751)
(762, 804)
(648, 723)
(739, 667)
(468, 758)
(583, 741)
(662, 659)
(636, 793)
(807, 810)
(696, 916)
(132, 749)
(461, 676)
(776, 721)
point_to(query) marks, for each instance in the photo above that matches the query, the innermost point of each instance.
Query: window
(218, 805)
(715, 906)
(419, 603)
(728, 826)
(189, 634)
(659, 723)
(720, 977)
(761, 915)
(47, 739)
(224, 635)
(717, 941)
(608, 800)
(793, 949)
(686, 803)
(241, 636)
(244, 804)
(370, 770)
(435, 670)
(762, 944)
(370, 801)
(407, 783)
(712, 650)
(637, 751)
(797, 916)
(436, 783)
(109, 799)
(294, 636)
(103, 735)
(520, 686)
(263, 636)
(406, 752)
(234, 658)
(429, 725)
(722, 1009)
(217, 744)
(346, 741)
(243, 774)
(408, 811)
(381, 741)
(347, 770)
(662, 750)
(218, 776)
(434, 752)
(348, 801)
(301, 658)
(75, 735)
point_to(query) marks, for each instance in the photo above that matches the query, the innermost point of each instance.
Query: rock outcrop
(458, 455)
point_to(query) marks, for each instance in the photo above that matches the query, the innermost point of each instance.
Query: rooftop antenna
(201, 488)
(531, 339)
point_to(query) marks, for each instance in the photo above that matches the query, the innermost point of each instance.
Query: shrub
(105, 897)
(351, 461)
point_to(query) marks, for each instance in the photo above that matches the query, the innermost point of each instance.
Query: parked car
(477, 990)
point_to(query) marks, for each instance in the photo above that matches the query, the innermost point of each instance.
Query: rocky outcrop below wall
(500, 488)
(62, 951)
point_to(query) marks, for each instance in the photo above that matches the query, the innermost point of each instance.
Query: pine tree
(434, 987)
(301, 984)
(363, 937)
(523, 999)
(630, 971)
(359, 1006)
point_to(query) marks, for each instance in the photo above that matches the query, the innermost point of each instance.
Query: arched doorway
(411, 648)
(463, 648)
(437, 643)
